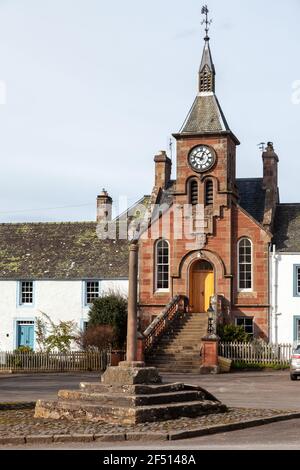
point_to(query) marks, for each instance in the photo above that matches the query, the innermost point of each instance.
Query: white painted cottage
(285, 276)
(58, 269)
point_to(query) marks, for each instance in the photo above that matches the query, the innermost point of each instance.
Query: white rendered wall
(284, 302)
(61, 300)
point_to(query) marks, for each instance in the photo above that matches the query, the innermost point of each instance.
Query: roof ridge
(49, 223)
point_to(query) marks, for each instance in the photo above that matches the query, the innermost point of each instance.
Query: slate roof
(287, 228)
(65, 250)
(252, 196)
(60, 251)
(205, 116)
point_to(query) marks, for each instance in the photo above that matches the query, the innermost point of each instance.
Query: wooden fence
(257, 352)
(54, 362)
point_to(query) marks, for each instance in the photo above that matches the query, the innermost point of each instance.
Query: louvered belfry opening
(194, 192)
(206, 80)
(209, 193)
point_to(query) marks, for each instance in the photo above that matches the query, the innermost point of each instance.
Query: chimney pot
(104, 207)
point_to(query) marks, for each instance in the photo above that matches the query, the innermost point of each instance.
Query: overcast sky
(94, 89)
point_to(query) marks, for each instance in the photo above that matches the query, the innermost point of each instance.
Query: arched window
(245, 271)
(193, 192)
(162, 265)
(209, 193)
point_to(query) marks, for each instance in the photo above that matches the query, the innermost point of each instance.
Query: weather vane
(206, 21)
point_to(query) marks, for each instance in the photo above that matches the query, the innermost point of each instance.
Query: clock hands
(201, 158)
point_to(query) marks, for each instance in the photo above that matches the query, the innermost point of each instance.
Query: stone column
(133, 370)
(131, 352)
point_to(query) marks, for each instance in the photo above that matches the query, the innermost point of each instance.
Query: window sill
(246, 293)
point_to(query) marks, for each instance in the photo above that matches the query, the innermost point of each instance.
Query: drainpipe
(274, 306)
(270, 281)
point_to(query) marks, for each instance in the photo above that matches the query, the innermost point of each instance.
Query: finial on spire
(206, 21)
(207, 70)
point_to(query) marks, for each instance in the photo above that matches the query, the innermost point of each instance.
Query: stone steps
(119, 399)
(179, 363)
(138, 389)
(155, 362)
(81, 410)
(185, 334)
(179, 349)
(175, 353)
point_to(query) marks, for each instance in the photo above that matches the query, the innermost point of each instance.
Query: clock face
(201, 158)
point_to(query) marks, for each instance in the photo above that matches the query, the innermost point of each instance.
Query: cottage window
(92, 291)
(26, 292)
(162, 265)
(298, 279)
(245, 265)
(246, 323)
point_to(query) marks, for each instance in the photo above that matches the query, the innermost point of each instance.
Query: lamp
(211, 315)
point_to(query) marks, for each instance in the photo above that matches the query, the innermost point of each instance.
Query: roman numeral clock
(201, 158)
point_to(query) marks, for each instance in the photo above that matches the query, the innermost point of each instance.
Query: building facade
(206, 232)
(224, 248)
(285, 275)
(56, 269)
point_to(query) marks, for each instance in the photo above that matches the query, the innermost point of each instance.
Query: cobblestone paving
(21, 422)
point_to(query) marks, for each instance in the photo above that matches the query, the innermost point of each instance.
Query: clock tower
(206, 149)
(221, 247)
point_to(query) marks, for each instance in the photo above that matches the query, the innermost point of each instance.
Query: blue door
(25, 334)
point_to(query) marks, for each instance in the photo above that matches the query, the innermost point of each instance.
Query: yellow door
(208, 289)
(201, 289)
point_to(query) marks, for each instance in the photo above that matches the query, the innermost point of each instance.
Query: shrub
(110, 309)
(230, 333)
(19, 356)
(240, 365)
(97, 337)
(52, 336)
(23, 349)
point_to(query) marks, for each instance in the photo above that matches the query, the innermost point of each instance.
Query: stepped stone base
(131, 373)
(129, 395)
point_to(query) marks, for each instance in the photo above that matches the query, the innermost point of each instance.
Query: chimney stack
(163, 167)
(270, 168)
(104, 207)
(270, 184)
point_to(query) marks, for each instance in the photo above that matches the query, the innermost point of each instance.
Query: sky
(91, 90)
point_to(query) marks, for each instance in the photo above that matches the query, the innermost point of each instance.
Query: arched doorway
(201, 285)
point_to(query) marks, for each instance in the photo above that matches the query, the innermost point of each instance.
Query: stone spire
(206, 115)
(207, 69)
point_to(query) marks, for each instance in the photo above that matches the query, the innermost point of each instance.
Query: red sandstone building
(227, 252)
